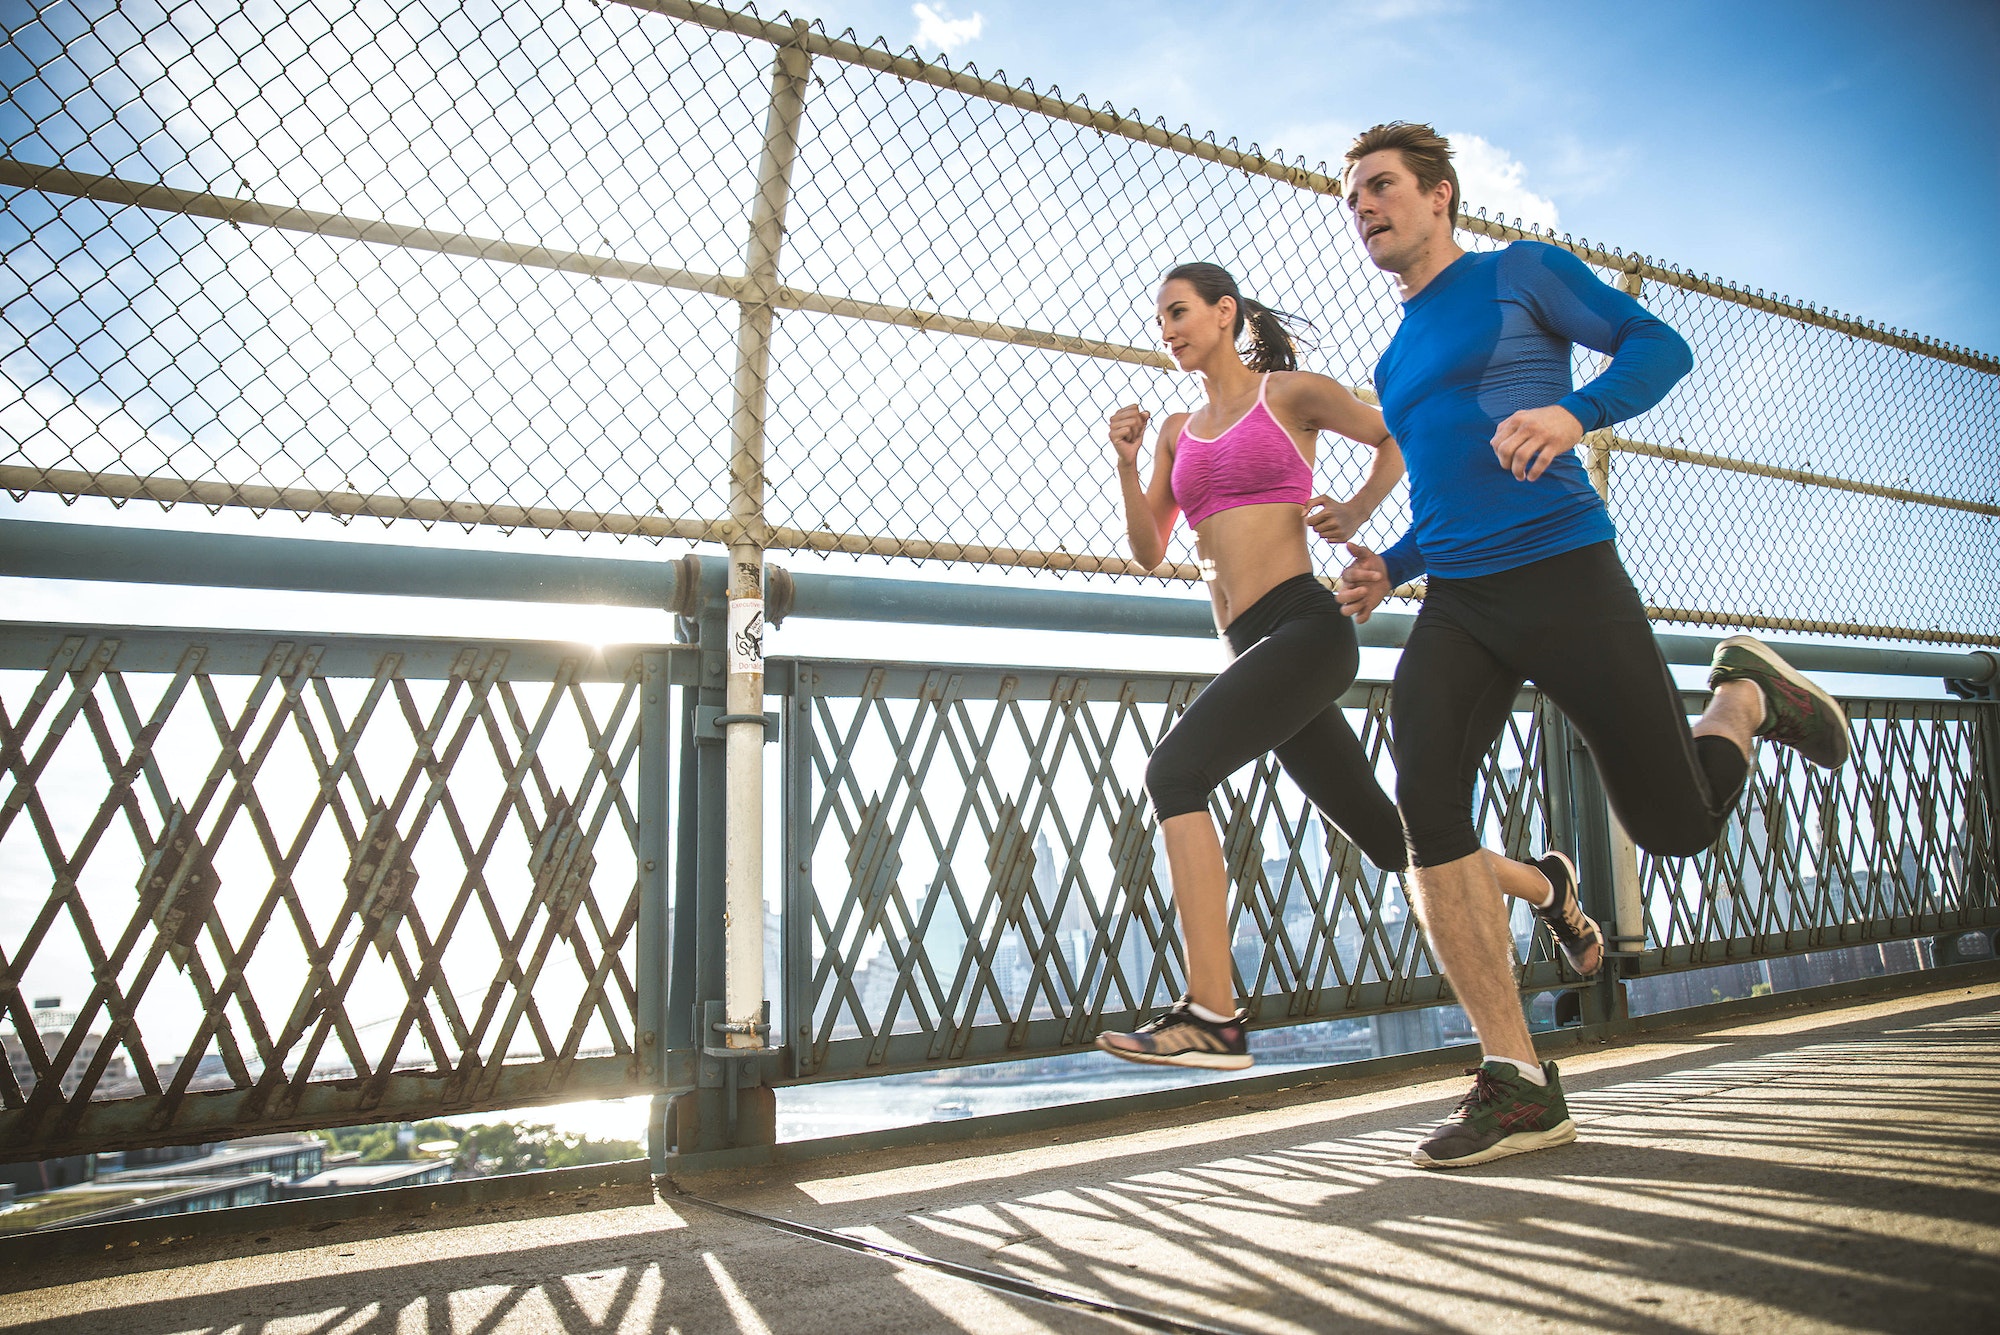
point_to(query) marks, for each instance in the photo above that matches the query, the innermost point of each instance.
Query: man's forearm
(1649, 361)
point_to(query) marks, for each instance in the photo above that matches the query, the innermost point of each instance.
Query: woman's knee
(1176, 786)
(1681, 836)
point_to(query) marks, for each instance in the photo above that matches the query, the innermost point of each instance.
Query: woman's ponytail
(1275, 337)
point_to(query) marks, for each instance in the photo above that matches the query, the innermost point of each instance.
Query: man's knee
(1435, 843)
(1437, 828)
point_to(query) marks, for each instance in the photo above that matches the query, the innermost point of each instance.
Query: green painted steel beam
(43, 550)
(35, 549)
(30, 646)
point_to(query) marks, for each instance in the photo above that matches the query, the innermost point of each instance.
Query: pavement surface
(1831, 1170)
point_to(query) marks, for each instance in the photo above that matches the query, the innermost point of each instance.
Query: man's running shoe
(1504, 1114)
(1575, 931)
(1797, 713)
(1179, 1037)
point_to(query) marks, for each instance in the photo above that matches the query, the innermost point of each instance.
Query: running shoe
(1179, 1037)
(1797, 713)
(1578, 934)
(1504, 1114)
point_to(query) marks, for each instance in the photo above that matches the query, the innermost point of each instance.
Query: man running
(1524, 583)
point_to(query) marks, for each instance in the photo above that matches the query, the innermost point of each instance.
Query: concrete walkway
(1828, 1170)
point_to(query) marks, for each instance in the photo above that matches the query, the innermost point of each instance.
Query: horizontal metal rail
(347, 504)
(225, 208)
(116, 190)
(29, 646)
(353, 504)
(43, 550)
(1802, 476)
(1251, 162)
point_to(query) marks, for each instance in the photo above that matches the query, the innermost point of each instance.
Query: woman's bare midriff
(1254, 549)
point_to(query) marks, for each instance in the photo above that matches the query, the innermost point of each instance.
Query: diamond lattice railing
(301, 882)
(972, 869)
(1899, 842)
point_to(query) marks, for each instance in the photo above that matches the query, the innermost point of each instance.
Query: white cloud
(1496, 181)
(938, 31)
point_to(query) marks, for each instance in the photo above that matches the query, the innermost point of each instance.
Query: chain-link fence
(493, 264)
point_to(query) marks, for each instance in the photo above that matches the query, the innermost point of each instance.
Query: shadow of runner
(1843, 1176)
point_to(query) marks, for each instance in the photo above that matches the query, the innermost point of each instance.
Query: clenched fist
(1128, 430)
(1336, 521)
(1529, 440)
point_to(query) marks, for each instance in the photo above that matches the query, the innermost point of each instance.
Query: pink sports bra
(1255, 462)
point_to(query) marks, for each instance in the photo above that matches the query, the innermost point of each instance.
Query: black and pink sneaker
(1578, 934)
(1179, 1037)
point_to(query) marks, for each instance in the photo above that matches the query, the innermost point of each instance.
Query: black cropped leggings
(1295, 655)
(1573, 625)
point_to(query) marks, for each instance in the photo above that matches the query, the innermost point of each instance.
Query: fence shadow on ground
(1821, 1170)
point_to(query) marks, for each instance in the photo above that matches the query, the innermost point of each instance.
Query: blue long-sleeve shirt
(1487, 337)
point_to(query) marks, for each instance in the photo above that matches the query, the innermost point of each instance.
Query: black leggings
(1295, 654)
(1573, 625)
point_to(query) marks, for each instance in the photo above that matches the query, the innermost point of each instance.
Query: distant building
(27, 1179)
(53, 1026)
(286, 1158)
(103, 1203)
(370, 1177)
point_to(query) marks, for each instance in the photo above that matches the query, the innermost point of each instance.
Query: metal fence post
(733, 1106)
(1983, 864)
(678, 1118)
(1581, 823)
(1611, 889)
(653, 799)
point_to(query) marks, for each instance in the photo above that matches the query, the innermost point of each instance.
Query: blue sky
(1837, 152)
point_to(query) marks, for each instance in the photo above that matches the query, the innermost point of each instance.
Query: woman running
(1240, 467)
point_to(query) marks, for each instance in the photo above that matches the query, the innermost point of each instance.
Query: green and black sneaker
(1797, 713)
(1504, 1114)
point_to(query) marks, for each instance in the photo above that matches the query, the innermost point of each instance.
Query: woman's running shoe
(1578, 934)
(1797, 713)
(1505, 1113)
(1179, 1037)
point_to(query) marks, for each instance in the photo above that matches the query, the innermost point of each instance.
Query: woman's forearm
(1142, 530)
(1385, 470)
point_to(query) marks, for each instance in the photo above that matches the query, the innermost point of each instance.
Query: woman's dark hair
(1276, 338)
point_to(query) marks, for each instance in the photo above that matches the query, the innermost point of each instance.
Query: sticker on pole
(746, 635)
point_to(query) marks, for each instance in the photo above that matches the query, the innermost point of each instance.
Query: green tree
(489, 1147)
